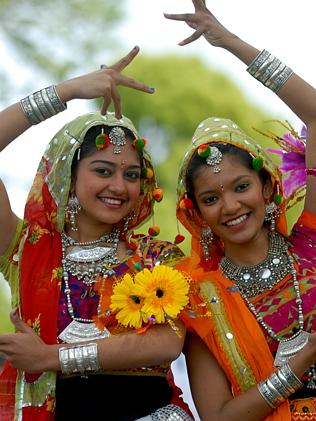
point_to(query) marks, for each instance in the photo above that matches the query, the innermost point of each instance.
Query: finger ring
(103, 66)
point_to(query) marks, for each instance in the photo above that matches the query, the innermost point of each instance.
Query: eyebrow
(232, 182)
(112, 164)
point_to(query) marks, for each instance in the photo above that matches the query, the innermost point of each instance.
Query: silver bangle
(28, 111)
(54, 99)
(42, 105)
(81, 359)
(280, 79)
(269, 70)
(257, 62)
(266, 393)
(290, 377)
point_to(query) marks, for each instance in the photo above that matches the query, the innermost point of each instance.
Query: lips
(112, 201)
(236, 221)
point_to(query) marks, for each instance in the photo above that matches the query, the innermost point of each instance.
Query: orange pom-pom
(179, 239)
(186, 204)
(154, 231)
(147, 172)
(158, 194)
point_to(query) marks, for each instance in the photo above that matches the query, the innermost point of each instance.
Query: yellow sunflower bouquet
(150, 297)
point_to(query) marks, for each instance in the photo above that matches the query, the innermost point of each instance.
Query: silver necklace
(86, 263)
(253, 280)
(288, 347)
(89, 259)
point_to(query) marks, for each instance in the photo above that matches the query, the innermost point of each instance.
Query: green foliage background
(59, 38)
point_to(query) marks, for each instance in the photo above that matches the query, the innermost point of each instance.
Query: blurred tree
(56, 39)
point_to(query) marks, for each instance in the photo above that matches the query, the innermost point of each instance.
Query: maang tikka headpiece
(213, 156)
(116, 137)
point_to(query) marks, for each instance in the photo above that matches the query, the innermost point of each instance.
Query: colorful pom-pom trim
(139, 143)
(158, 194)
(186, 203)
(179, 239)
(154, 231)
(147, 172)
(204, 151)
(277, 199)
(102, 141)
(138, 266)
(257, 163)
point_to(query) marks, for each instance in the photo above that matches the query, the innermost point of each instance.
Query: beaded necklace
(290, 346)
(86, 261)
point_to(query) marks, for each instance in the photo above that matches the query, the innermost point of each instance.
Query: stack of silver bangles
(42, 105)
(279, 386)
(79, 359)
(269, 70)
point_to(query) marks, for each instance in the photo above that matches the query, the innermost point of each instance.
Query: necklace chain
(87, 263)
(290, 268)
(253, 280)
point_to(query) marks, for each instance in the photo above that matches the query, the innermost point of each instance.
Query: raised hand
(103, 83)
(204, 23)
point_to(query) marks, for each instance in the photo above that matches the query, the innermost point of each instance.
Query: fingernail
(136, 47)
(152, 89)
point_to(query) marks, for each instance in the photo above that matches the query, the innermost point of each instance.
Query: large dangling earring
(272, 211)
(72, 210)
(206, 240)
(128, 218)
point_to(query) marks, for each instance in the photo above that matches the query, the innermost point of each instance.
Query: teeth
(111, 201)
(236, 221)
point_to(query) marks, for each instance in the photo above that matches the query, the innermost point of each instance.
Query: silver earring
(127, 220)
(272, 211)
(72, 210)
(206, 239)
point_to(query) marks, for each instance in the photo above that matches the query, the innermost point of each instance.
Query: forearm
(13, 123)
(159, 345)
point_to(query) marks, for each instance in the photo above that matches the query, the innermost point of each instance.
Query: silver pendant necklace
(253, 280)
(86, 261)
(288, 347)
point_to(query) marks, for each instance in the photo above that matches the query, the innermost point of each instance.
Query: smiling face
(107, 186)
(232, 201)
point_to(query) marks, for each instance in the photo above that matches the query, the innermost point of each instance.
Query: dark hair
(233, 151)
(88, 145)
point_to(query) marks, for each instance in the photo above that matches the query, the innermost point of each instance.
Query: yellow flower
(128, 300)
(165, 290)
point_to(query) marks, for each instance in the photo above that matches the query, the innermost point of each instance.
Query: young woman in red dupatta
(71, 357)
(252, 349)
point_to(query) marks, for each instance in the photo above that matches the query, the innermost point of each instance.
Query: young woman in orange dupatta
(252, 313)
(74, 356)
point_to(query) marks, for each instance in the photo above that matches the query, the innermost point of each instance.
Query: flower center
(159, 293)
(135, 298)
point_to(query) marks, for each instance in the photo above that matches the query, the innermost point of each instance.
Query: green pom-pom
(277, 199)
(204, 151)
(138, 266)
(257, 163)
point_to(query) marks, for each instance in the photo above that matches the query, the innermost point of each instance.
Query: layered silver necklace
(86, 261)
(267, 274)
